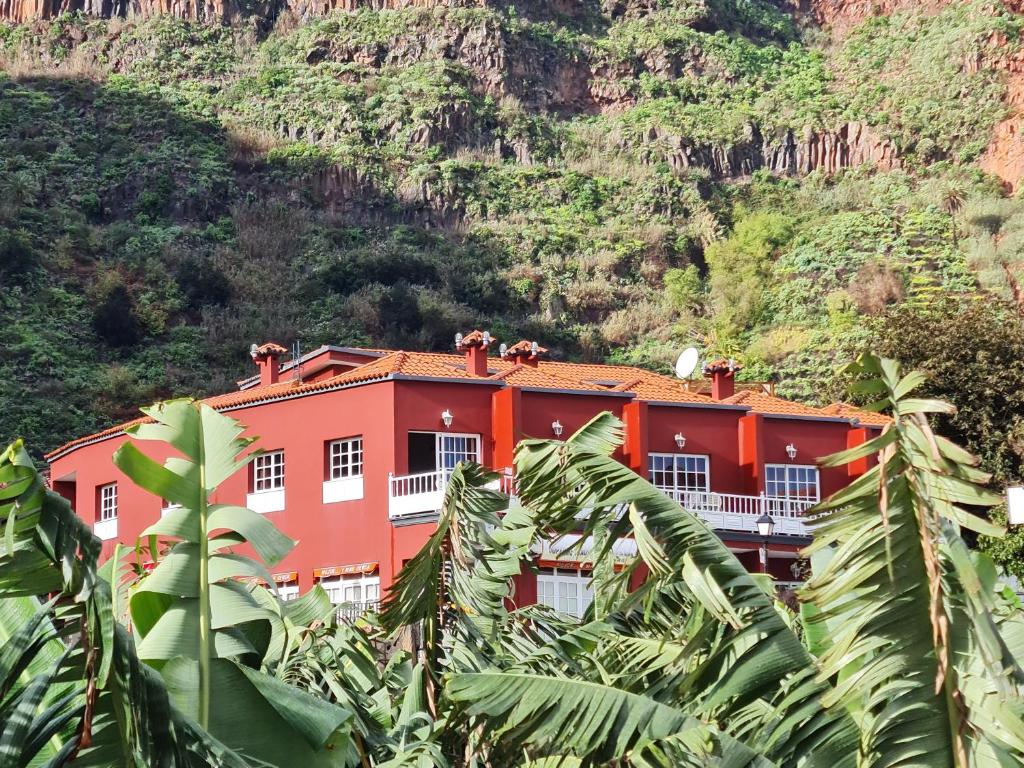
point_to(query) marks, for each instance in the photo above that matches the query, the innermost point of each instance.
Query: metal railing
(349, 612)
(423, 492)
(422, 482)
(733, 511)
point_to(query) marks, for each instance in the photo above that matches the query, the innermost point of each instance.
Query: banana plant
(196, 618)
(71, 686)
(906, 651)
(907, 617)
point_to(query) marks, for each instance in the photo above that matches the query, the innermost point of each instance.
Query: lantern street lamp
(557, 428)
(765, 526)
(680, 440)
(447, 418)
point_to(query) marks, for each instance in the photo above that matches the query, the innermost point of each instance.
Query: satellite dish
(687, 362)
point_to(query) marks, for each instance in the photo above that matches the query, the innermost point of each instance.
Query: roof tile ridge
(628, 384)
(739, 397)
(501, 375)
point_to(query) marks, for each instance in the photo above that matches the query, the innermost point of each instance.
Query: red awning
(284, 578)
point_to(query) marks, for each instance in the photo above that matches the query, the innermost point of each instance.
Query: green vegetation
(172, 191)
(903, 636)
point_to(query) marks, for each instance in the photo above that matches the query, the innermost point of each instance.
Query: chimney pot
(525, 353)
(474, 344)
(723, 379)
(268, 359)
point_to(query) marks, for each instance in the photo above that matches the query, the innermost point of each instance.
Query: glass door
(790, 488)
(451, 449)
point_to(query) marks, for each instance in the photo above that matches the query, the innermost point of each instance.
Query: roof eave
(62, 452)
(806, 417)
(679, 404)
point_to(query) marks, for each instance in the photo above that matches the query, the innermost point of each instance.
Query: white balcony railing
(735, 512)
(423, 493)
(417, 494)
(350, 612)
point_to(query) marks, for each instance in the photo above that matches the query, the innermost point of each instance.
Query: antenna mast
(296, 358)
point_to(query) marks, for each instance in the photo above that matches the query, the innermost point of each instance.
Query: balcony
(348, 613)
(734, 512)
(423, 493)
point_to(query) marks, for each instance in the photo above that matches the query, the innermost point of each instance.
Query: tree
(698, 665)
(196, 620)
(972, 353)
(739, 267)
(952, 201)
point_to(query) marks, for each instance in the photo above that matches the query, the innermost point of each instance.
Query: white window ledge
(343, 489)
(106, 529)
(266, 501)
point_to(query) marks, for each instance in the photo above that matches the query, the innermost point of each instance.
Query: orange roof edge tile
(855, 414)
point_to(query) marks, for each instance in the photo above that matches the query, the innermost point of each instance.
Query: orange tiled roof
(761, 402)
(582, 377)
(865, 417)
(667, 392)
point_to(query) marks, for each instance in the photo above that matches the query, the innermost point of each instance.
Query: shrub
(876, 287)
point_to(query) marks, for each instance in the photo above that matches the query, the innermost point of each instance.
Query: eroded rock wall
(785, 152)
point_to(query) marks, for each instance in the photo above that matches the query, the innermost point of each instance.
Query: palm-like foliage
(72, 686)
(197, 620)
(927, 665)
(906, 651)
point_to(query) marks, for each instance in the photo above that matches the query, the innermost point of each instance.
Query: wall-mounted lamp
(680, 439)
(447, 418)
(557, 428)
(791, 451)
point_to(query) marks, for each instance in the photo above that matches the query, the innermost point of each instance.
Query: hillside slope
(616, 179)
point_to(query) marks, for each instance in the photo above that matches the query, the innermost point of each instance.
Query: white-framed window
(268, 472)
(352, 588)
(791, 487)
(567, 590)
(345, 458)
(108, 502)
(288, 590)
(679, 473)
(453, 448)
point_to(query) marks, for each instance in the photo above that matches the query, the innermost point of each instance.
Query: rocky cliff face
(839, 16)
(1004, 156)
(787, 152)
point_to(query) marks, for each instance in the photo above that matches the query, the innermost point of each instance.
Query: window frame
(553, 588)
(790, 483)
(676, 488)
(288, 590)
(106, 501)
(351, 581)
(335, 463)
(276, 472)
(440, 452)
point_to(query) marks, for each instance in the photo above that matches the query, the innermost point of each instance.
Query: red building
(359, 444)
